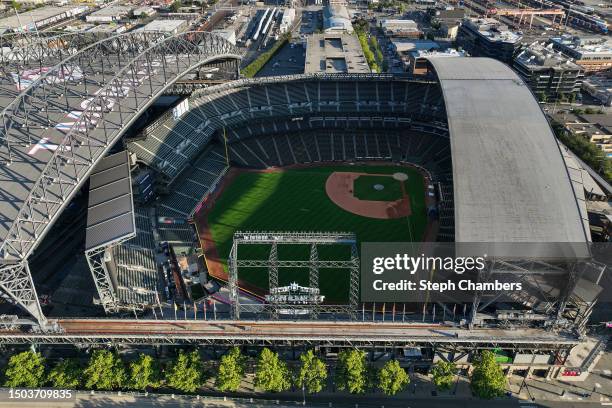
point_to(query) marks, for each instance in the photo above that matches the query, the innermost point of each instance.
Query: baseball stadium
(188, 191)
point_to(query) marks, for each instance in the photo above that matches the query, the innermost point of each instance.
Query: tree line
(106, 370)
(370, 47)
(584, 149)
(254, 67)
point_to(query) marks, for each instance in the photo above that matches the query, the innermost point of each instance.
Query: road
(88, 401)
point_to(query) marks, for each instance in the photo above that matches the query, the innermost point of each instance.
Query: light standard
(303, 393)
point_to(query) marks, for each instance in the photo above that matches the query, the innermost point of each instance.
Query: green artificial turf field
(295, 200)
(364, 188)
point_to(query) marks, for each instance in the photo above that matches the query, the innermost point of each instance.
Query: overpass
(291, 333)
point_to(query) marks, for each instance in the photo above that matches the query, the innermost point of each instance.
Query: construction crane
(529, 13)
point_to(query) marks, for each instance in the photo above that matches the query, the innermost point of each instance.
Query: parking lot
(289, 60)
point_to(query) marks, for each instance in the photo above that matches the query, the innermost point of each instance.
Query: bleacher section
(325, 145)
(187, 192)
(135, 264)
(170, 145)
(280, 121)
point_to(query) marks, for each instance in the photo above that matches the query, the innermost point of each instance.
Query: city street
(87, 401)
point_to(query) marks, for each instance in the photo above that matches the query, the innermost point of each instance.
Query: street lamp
(303, 393)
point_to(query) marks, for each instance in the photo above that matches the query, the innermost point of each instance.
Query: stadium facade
(474, 127)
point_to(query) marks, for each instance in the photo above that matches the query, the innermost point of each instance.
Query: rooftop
(492, 29)
(165, 25)
(509, 151)
(599, 82)
(336, 17)
(37, 15)
(405, 46)
(539, 55)
(449, 52)
(115, 10)
(395, 21)
(334, 53)
(584, 45)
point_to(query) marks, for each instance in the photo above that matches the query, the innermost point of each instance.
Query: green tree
(105, 371)
(488, 379)
(175, 6)
(392, 378)
(313, 372)
(271, 374)
(66, 374)
(444, 373)
(231, 371)
(587, 151)
(25, 369)
(254, 67)
(351, 371)
(144, 373)
(186, 372)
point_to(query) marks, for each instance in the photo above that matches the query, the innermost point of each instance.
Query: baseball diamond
(302, 198)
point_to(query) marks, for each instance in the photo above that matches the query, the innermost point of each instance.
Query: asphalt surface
(341, 401)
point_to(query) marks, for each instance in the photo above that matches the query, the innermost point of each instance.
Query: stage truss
(314, 264)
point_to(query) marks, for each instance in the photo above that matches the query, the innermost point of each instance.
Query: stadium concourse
(475, 129)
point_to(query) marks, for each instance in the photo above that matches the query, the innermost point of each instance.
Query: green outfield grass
(364, 188)
(295, 200)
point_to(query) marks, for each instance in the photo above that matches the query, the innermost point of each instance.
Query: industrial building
(449, 20)
(597, 129)
(334, 53)
(600, 88)
(228, 34)
(593, 54)
(487, 37)
(40, 18)
(287, 20)
(109, 14)
(144, 11)
(167, 26)
(404, 47)
(400, 28)
(549, 74)
(336, 19)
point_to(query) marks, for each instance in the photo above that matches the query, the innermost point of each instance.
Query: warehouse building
(287, 20)
(109, 14)
(167, 26)
(600, 88)
(336, 19)
(40, 18)
(228, 34)
(400, 28)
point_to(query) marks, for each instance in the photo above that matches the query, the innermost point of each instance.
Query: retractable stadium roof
(510, 181)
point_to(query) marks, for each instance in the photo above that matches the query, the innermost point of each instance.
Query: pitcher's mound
(339, 188)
